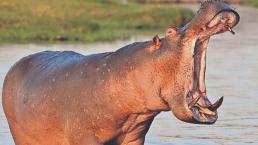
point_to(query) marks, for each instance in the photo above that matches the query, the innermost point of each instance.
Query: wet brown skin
(65, 98)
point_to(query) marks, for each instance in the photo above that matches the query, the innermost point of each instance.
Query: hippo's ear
(156, 41)
(171, 32)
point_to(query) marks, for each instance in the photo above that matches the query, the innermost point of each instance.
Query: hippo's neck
(149, 76)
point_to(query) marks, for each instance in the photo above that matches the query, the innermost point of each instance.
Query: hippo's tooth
(195, 100)
(230, 30)
(217, 104)
(206, 111)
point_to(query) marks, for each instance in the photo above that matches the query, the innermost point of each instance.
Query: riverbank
(83, 21)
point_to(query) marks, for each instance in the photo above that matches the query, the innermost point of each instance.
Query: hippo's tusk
(230, 30)
(195, 100)
(206, 111)
(216, 105)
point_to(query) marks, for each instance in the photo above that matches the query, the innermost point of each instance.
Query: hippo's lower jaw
(199, 106)
(202, 110)
(197, 102)
(203, 114)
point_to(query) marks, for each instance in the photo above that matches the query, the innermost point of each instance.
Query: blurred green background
(24, 21)
(39, 21)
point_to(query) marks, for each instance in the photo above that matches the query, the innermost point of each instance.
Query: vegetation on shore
(253, 3)
(32, 21)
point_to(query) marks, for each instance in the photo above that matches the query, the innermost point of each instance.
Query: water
(232, 71)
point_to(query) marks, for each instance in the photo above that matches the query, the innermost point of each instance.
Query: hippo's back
(31, 78)
(29, 90)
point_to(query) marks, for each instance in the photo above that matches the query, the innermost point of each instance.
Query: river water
(232, 71)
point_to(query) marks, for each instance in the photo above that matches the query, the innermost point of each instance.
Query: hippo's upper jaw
(214, 17)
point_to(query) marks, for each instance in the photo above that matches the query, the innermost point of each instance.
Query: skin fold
(65, 98)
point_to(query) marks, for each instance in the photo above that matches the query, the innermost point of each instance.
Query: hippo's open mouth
(203, 111)
(190, 103)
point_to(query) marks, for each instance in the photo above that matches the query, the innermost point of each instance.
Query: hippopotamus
(111, 98)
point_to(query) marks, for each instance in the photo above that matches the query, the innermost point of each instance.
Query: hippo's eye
(171, 31)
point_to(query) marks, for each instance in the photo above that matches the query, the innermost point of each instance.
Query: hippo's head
(212, 18)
